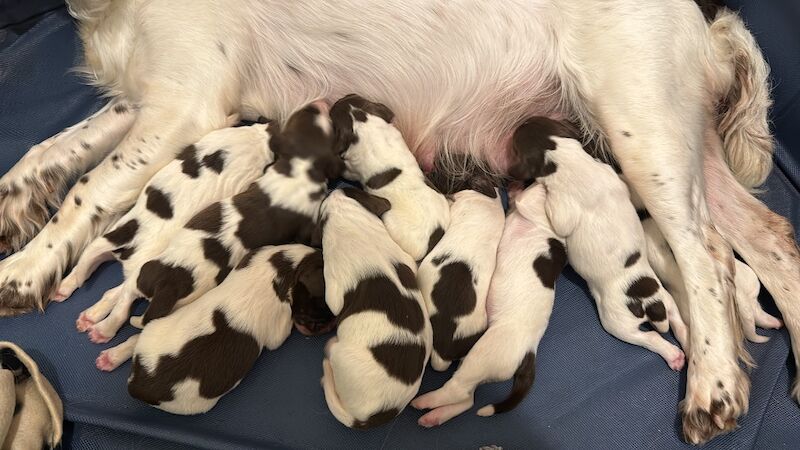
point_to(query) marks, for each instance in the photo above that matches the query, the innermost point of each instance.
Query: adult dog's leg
(29, 277)
(647, 93)
(39, 179)
(765, 240)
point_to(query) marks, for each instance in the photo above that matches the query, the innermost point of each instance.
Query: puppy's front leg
(29, 277)
(40, 178)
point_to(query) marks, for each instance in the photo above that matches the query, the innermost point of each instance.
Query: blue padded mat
(591, 390)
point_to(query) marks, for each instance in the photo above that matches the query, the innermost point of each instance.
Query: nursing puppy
(376, 155)
(530, 258)
(454, 277)
(278, 208)
(220, 165)
(589, 206)
(185, 362)
(373, 367)
(746, 283)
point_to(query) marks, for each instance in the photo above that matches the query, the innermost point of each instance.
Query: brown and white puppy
(589, 207)
(530, 257)
(278, 208)
(454, 277)
(185, 362)
(373, 367)
(376, 155)
(218, 166)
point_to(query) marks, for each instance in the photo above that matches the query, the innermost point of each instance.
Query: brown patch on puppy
(158, 202)
(217, 361)
(377, 419)
(531, 141)
(208, 220)
(372, 203)
(407, 277)
(403, 362)
(164, 285)
(346, 110)
(436, 236)
(549, 266)
(383, 179)
(378, 293)
(123, 234)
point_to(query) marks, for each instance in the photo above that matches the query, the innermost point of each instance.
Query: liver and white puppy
(220, 165)
(454, 277)
(589, 206)
(530, 258)
(746, 283)
(185, 362)
(373, 367)
(278, 208)
(376, 155)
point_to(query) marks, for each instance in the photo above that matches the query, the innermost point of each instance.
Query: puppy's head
(530, 144)
(357, 122)
(310, 313)
(308, 135)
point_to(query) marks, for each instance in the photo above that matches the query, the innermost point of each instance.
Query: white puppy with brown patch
(530, 258)
(220, 165)
(183, 363)
(454, 277)
(373, 367)
(589, 206)
(376, 155)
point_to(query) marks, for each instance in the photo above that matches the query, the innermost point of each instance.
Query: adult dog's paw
(26, 282)
(25, 198)
(714, 401)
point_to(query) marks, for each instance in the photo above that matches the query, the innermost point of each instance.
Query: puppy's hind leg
(112, 358)
(95, 254)
(103, 331)
(38, 181)
(98, 311)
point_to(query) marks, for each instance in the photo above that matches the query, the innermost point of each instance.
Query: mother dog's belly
(460, 76)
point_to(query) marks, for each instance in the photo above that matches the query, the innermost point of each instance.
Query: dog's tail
(523, 380)
(740, 83)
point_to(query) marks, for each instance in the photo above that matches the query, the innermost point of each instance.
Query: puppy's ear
(334, 166)
(531, 141)
(380, 110)
(483, 185)
(372, 203)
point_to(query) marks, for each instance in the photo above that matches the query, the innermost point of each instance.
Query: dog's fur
(373, 367)
(530, 257)
(746, 283)
(376, 155)
(454, 277)
(218, 166)
(185, 362)
(589, 207)
(645, 78)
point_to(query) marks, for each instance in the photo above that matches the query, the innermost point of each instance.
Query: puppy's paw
(714, 402)
(677, 361)
(84, 323)
(26, 192)
(106, 361)
(27, 281)
(97, 336)
(65, 289)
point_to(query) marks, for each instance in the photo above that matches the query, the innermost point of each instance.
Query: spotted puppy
(746, 283)
(185, 362)
(530, 258)
(454, 277)
(589, 206)
(376, 155)
(373, 367)
(280, 207)
(221, 164)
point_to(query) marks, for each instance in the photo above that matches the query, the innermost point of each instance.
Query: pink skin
(104, 363)
(97, 337)
(84, 323)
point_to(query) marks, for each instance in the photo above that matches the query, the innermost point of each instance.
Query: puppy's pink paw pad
(59, 296)
(428, 421)
(677, 362)
(97, 337)
(84, 323)
(104, 362)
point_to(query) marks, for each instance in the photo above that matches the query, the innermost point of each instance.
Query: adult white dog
(652, 80)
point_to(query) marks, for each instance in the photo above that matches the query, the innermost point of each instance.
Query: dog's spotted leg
(38, 181)
(764, 239)
(653, 114)
(29, 277)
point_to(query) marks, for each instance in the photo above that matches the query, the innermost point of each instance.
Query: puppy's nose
(322, 106)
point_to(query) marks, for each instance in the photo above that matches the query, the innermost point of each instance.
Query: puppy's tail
(740, 84)
(523, 380)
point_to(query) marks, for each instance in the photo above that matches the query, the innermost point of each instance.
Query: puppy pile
(238, 239)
